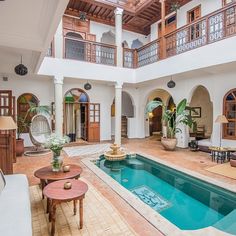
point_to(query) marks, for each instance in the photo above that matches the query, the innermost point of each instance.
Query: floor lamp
(221, 119)
(7, 142)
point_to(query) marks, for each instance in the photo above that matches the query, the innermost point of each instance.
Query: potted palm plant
(171, 119)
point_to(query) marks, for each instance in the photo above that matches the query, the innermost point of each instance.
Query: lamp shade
(221, 119)
(7, 123)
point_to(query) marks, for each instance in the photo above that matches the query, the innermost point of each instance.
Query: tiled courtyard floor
(197, 162)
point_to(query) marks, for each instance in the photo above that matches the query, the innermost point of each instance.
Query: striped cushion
(2, 181)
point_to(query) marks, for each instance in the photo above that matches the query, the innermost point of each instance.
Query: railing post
(135, 58)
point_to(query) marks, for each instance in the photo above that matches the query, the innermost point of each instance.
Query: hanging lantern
(87, 86)
(171, 83)
(21, 69)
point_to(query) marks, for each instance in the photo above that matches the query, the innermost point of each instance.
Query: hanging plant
(175, 6)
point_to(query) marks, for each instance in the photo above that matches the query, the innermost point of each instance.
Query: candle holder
(66, 168)
(67, 185)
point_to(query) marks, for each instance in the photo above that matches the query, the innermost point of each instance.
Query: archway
(126, 113)
(108, 38)
(74, 47)
(76, 114)
(203, 113)
(136, 44)
(153, 124)
(23, 105)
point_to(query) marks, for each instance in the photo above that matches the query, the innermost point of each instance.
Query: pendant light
(171, 83)
(21, 69)
(87, 86)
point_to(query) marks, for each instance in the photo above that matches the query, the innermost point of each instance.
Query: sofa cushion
(2, 181)
(15, 217)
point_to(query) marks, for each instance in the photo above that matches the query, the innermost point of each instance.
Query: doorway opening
(76, 114)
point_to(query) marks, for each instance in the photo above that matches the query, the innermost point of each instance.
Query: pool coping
(153, 217)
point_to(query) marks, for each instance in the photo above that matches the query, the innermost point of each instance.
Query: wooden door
(170, 24)
(94, 122)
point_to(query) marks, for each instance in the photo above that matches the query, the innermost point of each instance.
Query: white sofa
(15, 210)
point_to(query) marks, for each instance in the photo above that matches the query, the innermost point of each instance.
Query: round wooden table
(46, 175)
(56, 194)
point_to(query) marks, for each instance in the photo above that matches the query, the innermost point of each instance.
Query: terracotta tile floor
(195, 161)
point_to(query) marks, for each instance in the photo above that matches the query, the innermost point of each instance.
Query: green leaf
(181, 107)
(152, 105)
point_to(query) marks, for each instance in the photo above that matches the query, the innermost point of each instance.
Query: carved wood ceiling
(138, 14)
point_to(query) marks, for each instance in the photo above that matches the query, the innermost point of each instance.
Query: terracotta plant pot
(19, 147)
(169, 143)
(233, 162)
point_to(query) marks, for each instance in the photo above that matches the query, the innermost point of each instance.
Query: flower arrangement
(55, 144)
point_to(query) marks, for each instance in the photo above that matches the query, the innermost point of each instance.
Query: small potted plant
(55, 144)
(22, 125)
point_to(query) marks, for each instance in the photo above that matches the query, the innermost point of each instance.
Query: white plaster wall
(218, 82)
(154, 31)
(98, 29)
(207, 6)
(41, 87)
(100, 93)
(127, 106)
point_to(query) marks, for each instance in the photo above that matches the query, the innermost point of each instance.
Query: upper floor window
(225, 2)
(194, 14)
(230, 113)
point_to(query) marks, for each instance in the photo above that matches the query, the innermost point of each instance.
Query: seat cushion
(15, 217)
(205, 142)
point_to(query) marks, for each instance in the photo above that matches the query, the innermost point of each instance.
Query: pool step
(135, 164)
(228, 223)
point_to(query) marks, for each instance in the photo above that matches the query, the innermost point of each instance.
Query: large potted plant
(23, 123)
(171, 119)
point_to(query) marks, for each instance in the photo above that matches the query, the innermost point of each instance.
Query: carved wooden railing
(89, 51)
(211, 28)
(147, 54)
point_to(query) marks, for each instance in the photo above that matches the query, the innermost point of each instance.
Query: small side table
(56, 194)
(219, 154)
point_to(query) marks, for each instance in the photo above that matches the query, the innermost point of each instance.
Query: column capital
(162, 1)
(58, 79)
(118, 11)
(118, 85)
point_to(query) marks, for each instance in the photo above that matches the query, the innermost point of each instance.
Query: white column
(58, 93)
(118, 109)
(118, 25)
(58, 41)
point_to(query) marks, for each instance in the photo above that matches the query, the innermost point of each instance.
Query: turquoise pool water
(185, 201)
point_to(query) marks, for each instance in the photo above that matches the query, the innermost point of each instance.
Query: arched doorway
(76, 114)
(74, 47)
(108, 38)
(203, 113)
(23, 105)
(127, 112)
(154, 120)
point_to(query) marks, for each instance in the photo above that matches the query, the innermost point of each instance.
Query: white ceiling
(27, 28)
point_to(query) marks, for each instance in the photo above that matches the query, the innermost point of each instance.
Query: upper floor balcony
(209, 29)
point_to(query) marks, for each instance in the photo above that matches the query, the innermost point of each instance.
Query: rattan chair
(39, 131)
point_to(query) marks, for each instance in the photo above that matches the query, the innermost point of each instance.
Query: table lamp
(221, 119)
(7, 123)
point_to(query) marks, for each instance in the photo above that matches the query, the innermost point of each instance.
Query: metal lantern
(21, 69)
(87, 86)
(171, 84)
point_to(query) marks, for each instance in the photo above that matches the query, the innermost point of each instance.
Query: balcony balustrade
(89, 51)
(206, 30)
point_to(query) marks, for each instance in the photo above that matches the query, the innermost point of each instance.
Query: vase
(56, 162)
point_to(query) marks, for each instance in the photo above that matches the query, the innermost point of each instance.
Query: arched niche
(74, 46)
(108, 38)
(203, 111)
(136, 44)
(24, 102)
